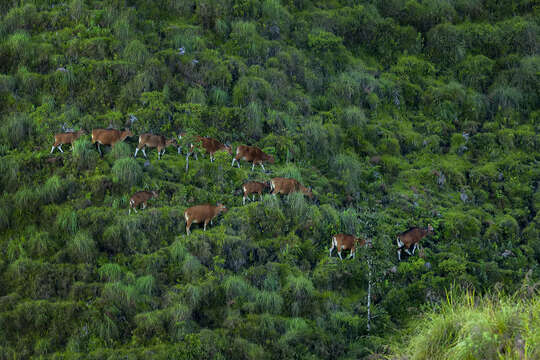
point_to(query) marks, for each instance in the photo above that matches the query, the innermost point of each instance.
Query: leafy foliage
(398, 114)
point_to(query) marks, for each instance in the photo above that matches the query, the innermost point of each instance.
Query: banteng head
(221, 207)
(172, 142)
(430, 229)
(307, 191)
(126, 133)
(155, 193)
(227, 147)
(81, 132)
(269, 158)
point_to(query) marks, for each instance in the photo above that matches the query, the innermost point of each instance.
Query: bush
(18, 129)
(82, 247)
(299, 293)
(84, 154)
(469, 328)
(121, 150)
(127, 172)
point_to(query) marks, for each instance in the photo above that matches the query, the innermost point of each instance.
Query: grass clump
(466, 327)
(127, 172)
(84, 154)
(82, 247)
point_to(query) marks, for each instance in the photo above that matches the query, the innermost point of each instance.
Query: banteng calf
(109, 137)
(253, 187)
(410, 238)
(141, 197)
(66, 138)
(202, 214)
(154, 141)
(252, 154)
(346, 242)
(286, 186)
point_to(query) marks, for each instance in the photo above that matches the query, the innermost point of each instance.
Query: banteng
(154, 141)
(251, 154)
(346, 242)
(286, 186)
(141, 197)
(202, 214)
(109, 137)
(210, 145)
(410, 238)
(66, 138)
(253, 187)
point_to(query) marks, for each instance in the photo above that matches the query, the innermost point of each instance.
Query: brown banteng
(346, 242)
(202, 214)
(210, 145)
(286, 186)
(154, 141)
(253, 187)
(141, 197)
(251, 154)
(66, 138)
(109, 137)
(410, 238)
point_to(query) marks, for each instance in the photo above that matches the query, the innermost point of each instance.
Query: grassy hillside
(466, 327)
(397, 113)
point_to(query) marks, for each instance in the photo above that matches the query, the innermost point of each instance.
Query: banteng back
(66, 138)
(252, 154)
(202, 214)
(109, 137)
(286, 186)
(410, 238)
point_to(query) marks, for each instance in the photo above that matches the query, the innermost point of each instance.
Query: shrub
(121, 150)
(67, 221)
(269, 301)
(136, 52)
(469, 328)
(236, 287)
(110, 272)
(299, 293)
(84, 154)
(127, 172)
(82, 247)
(17, 129)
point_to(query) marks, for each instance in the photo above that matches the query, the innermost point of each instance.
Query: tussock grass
(84, 154)
(82, 247)
(467, 327)
(127, 172)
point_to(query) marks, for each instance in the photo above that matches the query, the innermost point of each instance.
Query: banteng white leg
(60, 148)
(414, 248)
(253, 167)
(399, 242)
(52, 149)
(196, 157)
(408, 252)
(243, 200)
(136, 151)
(179, 150)
(233, 160)
(339, 254)
(99, 149)
(333, 245)
(144, 153)
(263, 167)
(399, 255)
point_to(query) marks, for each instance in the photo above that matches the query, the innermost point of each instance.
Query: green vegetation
(396, 113)
(470, 328)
